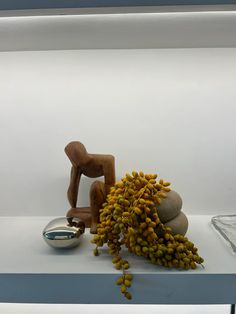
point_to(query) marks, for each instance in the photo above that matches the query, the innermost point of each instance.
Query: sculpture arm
(73, 189)
(109, 173)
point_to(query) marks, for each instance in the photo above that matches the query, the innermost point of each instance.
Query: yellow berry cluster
(130, 217)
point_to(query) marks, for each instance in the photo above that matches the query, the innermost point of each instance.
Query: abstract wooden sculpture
(92, 166)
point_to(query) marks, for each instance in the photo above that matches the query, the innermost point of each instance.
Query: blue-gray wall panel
(101, 289)
(47, 4)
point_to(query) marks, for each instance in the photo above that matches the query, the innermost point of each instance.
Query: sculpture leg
(97, 198)
(82, 213)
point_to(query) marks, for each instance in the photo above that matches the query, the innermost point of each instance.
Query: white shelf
(30, 271)
(137, 30)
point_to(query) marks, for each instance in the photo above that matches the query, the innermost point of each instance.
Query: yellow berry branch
(130, 217)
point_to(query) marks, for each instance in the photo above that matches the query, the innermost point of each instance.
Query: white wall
(171, 112)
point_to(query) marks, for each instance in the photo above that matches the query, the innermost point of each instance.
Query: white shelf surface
(32, 272)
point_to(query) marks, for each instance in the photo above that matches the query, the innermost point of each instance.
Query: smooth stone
(179, 224)
(170, 206)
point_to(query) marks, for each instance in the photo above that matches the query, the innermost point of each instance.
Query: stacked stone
(170, 214)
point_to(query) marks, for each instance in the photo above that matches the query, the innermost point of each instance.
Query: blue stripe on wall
(47, 4)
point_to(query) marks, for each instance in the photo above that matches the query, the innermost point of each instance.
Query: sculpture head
(77, 153)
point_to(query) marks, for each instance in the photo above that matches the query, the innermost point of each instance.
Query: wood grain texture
(92, 166)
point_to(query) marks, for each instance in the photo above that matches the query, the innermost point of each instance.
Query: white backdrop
(168, 111)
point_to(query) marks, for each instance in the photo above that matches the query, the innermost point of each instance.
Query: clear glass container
(226, 226)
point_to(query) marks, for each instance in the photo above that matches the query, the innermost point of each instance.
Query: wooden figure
(92, 166)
